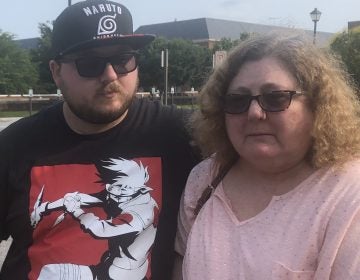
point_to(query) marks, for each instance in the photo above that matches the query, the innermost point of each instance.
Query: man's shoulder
(155, 107)
(27, 126)
(149, 112)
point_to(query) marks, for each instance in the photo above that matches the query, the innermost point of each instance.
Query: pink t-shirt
(311, 232)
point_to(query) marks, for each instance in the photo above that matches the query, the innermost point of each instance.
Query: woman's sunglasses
(274, 101)
(92, 66)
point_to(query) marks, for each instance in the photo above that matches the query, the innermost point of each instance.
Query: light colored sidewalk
(4, 247)
(4, 122)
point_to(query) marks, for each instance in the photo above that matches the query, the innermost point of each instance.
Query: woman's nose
(255, 111)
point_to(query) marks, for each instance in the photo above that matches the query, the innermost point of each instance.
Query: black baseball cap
(95, 23)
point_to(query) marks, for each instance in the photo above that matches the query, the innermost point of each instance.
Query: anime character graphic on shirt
(129, 226)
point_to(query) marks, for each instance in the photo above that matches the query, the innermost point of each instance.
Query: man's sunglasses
(274, 101)
(93, 66)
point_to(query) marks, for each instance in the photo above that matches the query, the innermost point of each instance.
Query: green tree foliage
(189, 64)
(226, 44)
(150, 71)
(41, 57)
(347, 45)
(17, 72)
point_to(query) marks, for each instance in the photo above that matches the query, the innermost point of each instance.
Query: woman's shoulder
(348, 172)
(341, 186)
(200, 177)
(352, 168)
(204, 170)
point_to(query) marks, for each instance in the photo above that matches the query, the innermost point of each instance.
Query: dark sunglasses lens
(237, 103)
(90, 67)
(124, 63)
(275, 101)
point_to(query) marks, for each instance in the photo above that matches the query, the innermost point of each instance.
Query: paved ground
(4, 246)
(4, 122)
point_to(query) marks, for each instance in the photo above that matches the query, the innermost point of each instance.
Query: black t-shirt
(92, 205)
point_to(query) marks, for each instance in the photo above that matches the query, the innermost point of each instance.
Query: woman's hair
(331, 94)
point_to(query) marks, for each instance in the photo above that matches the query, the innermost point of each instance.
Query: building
(353, 24)
(206, 31)
(28, 44)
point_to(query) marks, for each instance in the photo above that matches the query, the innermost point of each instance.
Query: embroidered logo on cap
(107, 25)
(101, 8)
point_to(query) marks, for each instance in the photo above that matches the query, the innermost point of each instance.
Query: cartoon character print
(128, 226)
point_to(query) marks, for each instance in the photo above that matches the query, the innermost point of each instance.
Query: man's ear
(55, 71)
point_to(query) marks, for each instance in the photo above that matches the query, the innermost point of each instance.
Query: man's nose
(109, 73)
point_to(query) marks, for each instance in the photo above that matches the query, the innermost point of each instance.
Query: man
(91, 186)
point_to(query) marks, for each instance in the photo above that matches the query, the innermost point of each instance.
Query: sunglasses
(274, 101)
(92, 66)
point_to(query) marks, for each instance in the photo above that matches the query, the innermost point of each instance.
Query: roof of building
(216, 29)
(204, 29)
(31, 43)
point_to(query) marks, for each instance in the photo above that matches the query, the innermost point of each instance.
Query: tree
(17, 72)
(150, 72)
(226, 44)
(41, 57)
(347, 45)
(189, 64)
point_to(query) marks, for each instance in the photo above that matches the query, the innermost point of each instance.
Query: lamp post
(165, 65)
(315, 17)
(69, 2)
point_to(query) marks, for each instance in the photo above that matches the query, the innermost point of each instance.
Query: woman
(279, 122)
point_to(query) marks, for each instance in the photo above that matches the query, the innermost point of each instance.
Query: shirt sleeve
(4, 173)
(339, 255)
(347, 261)
(198, 180)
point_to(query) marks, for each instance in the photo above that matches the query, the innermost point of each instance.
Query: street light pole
(165, 65)
(69, 3)
(315, 17)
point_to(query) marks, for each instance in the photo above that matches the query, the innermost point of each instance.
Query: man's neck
(85, 128)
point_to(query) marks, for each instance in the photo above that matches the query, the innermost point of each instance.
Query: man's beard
(91, 113)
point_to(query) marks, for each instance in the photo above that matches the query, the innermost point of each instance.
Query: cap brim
(135, 41)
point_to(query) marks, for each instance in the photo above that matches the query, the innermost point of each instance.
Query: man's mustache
(112, 87)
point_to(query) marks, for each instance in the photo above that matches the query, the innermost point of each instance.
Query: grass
(15, 114)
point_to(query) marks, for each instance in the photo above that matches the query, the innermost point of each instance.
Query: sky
(22, 17)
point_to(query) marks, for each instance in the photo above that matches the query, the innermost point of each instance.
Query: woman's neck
(274, 182)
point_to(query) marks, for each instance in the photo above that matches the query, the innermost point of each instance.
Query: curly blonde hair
(332, 98)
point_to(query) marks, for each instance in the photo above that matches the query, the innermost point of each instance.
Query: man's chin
(103, 119)
(103, 114)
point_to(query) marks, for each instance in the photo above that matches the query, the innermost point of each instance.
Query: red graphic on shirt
(94, 222)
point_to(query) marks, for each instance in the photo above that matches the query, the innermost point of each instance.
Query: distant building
(353, 24)
(31, 43)
(206, 31)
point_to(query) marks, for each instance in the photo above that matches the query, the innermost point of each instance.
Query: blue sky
(21, 17)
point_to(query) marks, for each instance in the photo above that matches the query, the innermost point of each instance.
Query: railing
(27, 102)
(34, 102)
